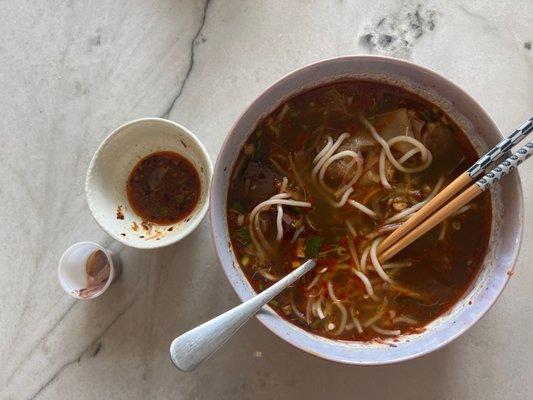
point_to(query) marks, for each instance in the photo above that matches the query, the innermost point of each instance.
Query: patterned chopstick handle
(505, 167)
(506, 144)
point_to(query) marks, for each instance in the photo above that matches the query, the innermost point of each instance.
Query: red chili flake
(321, 263)
(330, 262)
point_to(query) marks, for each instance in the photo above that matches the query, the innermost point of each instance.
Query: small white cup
(72, 268)
(112, 164)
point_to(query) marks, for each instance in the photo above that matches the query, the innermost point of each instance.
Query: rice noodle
(397, 265)
(443, 229)
(393, 265)
(358, 172)
(296, 174)
(425, 153)
(353, 252)
(331, 292)
(279, 199)
(351, 228)
(259, 240)
(279, 223)
(344, 318)
(356, 321)
(357, 324)
(276, 199)
(318, 307)
(284, 184)
(343, 199)
(364, 257)
(268, 275)
(408, 155)
(387, 332)
(308, 309)
(342, 309)
(328, 153)
(366, 282)
(375, 261)
(330, 160)
(375, 317)
(463, 209)
(279, 217)
(313, 282)
(325, 149)
(297, 233)
(405, 157)
(297, 312)
(408, 211)
(382, 171)
(405, 320)
(383, 229)
(363, 208)
(326, 157)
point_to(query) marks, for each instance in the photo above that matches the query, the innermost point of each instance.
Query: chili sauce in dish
(163, 188)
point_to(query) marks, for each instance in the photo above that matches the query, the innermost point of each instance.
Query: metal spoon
(197, 345)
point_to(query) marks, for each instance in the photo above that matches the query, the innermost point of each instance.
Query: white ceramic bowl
(111, 165)
(507, 207)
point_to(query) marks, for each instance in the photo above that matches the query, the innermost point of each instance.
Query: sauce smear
(163, 188)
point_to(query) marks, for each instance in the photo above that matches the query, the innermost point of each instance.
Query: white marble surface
(71, 71)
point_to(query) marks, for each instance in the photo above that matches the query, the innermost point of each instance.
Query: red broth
(163, 188)
(333, 300)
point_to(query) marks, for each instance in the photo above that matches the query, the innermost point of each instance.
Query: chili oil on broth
(343, 297)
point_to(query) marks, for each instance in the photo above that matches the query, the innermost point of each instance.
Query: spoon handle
(195, 346)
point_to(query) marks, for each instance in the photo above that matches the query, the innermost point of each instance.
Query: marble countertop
(71, 71)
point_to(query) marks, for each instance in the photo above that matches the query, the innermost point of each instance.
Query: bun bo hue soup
(328, 175)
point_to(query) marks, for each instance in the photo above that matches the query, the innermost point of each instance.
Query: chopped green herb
(312, 246)
(245, 260)
(429, 115)
(315, 324)
(237, 208)
(243, 236)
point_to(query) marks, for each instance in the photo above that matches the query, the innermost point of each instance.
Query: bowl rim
(189, 226)
(219, 173)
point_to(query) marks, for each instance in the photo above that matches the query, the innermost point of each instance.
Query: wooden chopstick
(465, 197)
(457, 185)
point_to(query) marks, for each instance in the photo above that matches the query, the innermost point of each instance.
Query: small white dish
(72, 273)
(109, 170)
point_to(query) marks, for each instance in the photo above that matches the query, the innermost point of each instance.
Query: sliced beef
(442, 143)
(260, 182)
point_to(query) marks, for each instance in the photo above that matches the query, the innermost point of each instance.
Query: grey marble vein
(166, 113)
